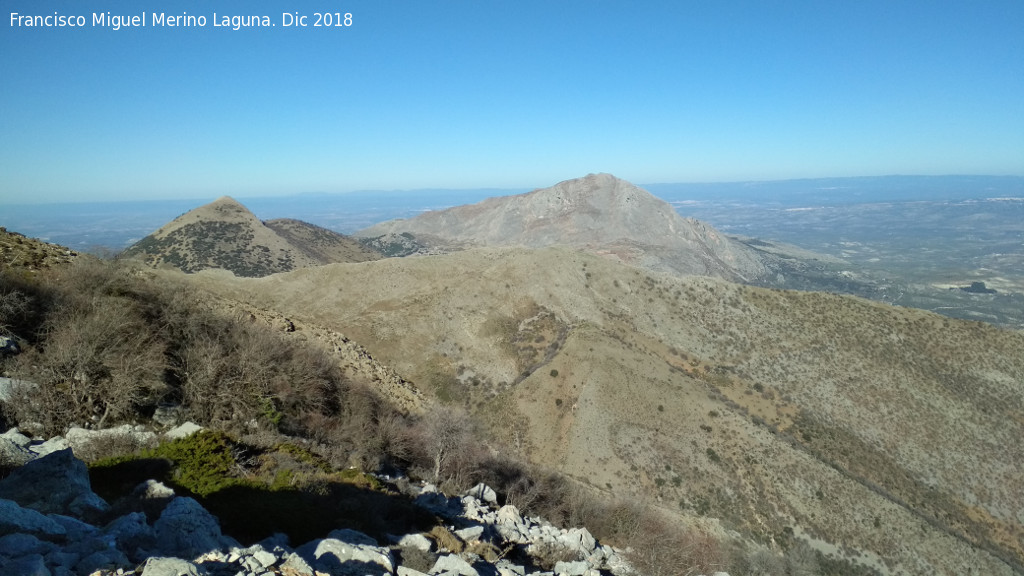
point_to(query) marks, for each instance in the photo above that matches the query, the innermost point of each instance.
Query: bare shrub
(111, 445)
(445, 444)
(801, 560)
(416, 559)
(101, 363)
(543, 493)
(546, 554)
(236, 374)
(13, 306)
(762, 562)
(667, 549)
(620, 521)
(447, 540)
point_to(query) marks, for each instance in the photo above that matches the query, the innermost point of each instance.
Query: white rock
(14, 435)
(470, 534)
(183, 431)
(265, 559)
(297, 565)
(418, 541)
(352, 537)
(577, 568)
(455, 564)
(484, 493)
(50, 446)
(186, 529)
(13, 454)
(330, 555)
(151, 489)
(171, 567)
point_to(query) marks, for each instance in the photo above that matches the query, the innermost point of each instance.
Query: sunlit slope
(598, 213)
(889, 431)
(224, 234)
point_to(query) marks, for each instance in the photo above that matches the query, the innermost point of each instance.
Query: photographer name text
(183, 20)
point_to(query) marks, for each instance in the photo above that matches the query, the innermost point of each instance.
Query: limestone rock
(578, 540)
(57, 483)
(50, 446)
(484, 493)
(336, 557)
(109, 559)
(578, 568)
(350, 536)
(132, 534)
(183, 431)
(452, 563)
(84, 441)
(13, 454)
(31, 565)
(16, 437)
(296, 565)
(186, 529)
(470, 534)
(418, 541)
(21, 544)
(15, 519)
(171, 567)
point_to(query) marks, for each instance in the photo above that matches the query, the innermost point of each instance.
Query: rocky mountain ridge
(598, 213)
(224, 234)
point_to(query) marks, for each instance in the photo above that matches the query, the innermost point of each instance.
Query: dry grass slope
(882, 434)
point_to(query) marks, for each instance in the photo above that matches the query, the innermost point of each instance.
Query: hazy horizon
(503, 95)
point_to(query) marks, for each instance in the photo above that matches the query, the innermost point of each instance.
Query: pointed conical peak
(226, 205)
(223, 209)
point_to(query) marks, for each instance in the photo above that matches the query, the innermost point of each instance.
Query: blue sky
(507, 94)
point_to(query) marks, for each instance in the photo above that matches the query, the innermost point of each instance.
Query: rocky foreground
(53, 524)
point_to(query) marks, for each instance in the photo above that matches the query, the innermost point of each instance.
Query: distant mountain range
(598, 333)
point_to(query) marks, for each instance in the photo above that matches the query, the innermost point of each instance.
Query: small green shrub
(203, 461)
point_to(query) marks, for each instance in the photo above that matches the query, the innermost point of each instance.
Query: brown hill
(599, 213)
(883, 435)
(224, 234)
(18, 252)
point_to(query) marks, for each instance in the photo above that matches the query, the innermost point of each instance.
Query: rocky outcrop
(51, 524)
(57, 483)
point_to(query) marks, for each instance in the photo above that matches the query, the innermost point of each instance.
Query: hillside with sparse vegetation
(225, 235)
(882, 435)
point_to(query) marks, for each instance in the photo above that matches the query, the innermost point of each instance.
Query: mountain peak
(599, 213)
(225, 234)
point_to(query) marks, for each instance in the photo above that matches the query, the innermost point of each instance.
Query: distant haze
(115, 225)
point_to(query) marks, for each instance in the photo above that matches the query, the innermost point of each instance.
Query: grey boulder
(57, 483)
(186, 529)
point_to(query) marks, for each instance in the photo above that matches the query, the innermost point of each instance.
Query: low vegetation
(105, 344)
